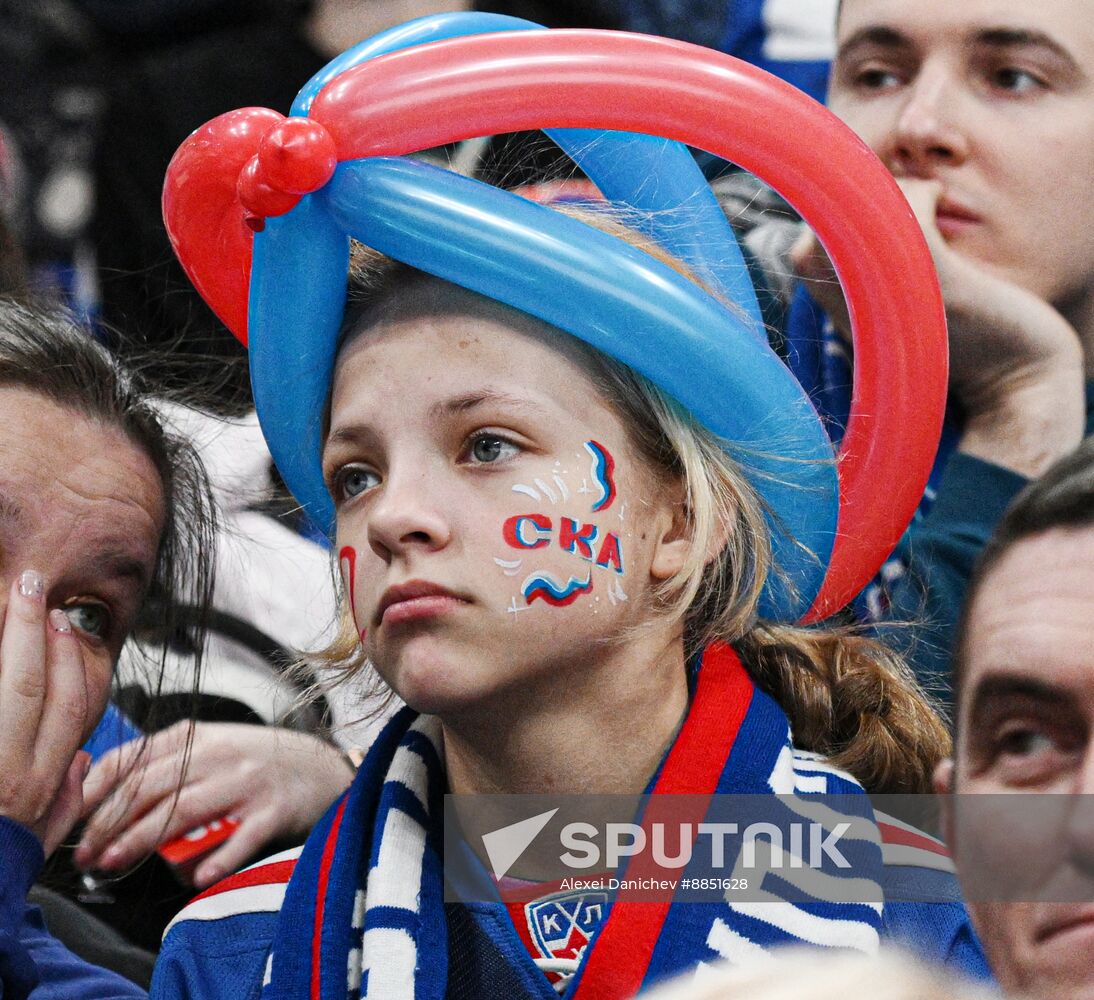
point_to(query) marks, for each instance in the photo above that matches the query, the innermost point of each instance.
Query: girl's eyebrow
(471, 400)
(355, 433)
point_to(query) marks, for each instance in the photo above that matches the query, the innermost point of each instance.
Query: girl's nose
(408, 514)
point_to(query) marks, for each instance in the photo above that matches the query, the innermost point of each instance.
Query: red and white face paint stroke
(347, 563)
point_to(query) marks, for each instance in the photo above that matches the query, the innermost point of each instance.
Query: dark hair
(1062, 498)
(46, 351)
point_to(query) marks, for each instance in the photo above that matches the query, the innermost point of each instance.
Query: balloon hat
(261, 208)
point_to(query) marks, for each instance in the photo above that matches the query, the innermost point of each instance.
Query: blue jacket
(33, 963)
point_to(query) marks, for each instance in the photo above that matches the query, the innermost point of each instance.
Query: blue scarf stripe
(394, 918)
(292, 966)
(433, 944)
(424, 748)
(758, 931)
(397, 795)
(761, 739)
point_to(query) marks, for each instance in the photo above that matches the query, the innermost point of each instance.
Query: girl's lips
(416, 600)
(419, 608)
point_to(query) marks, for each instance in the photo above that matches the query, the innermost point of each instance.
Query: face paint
(347, 562)
(527, 531)
(577, 537)
(615, 591)
(543, 586)
(610, 555)
(603, 473)
(510, 567)
(546, 490)
(534, 531)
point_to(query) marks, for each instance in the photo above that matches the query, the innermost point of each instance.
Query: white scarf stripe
(389, 960)
(395, 879)
(733, 946)
(386, 963)
(824, 931)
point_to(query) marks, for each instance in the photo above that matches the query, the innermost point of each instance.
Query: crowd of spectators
(985, 117)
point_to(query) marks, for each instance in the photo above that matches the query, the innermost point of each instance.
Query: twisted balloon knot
(296, 157)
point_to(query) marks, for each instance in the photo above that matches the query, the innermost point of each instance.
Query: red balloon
(297, 155)
(460, 88)
(204, 218)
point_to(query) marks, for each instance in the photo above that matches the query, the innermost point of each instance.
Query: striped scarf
(364, 916)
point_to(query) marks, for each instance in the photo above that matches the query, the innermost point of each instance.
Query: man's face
(994, 100)
(1025, 726)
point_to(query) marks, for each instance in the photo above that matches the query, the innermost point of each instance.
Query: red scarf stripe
(279, 871)
(906, 838)
(321, 896)
(623, 947)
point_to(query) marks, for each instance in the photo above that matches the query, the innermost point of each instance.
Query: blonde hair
(847, 696)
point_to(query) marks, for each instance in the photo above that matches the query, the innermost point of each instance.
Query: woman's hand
(274, 782)
(1016, 365)
(43, 715)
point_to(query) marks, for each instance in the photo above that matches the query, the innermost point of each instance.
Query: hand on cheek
(43, 714)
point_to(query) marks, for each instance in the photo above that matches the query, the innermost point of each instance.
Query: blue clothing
(218, 959)
(34, 965)
(795, 41)
(113, 730)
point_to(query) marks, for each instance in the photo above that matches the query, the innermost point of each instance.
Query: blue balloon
(656, 177)
(590, 284)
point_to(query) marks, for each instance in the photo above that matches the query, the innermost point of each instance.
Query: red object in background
(199, 841)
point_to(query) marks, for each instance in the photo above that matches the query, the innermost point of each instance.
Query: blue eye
(92, 618)
(488, 448)
(354, 480)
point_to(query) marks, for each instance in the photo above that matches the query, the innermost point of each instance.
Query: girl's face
(82, 506)
(495, 529)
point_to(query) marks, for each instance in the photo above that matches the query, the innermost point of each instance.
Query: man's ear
(942, 780)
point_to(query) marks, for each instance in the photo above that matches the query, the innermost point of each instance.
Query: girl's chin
(435, 684)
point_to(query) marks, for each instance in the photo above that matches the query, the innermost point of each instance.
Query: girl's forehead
(448, 360)
(449, 324)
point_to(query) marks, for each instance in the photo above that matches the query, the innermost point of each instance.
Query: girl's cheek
(576, 528)
(347, 563)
